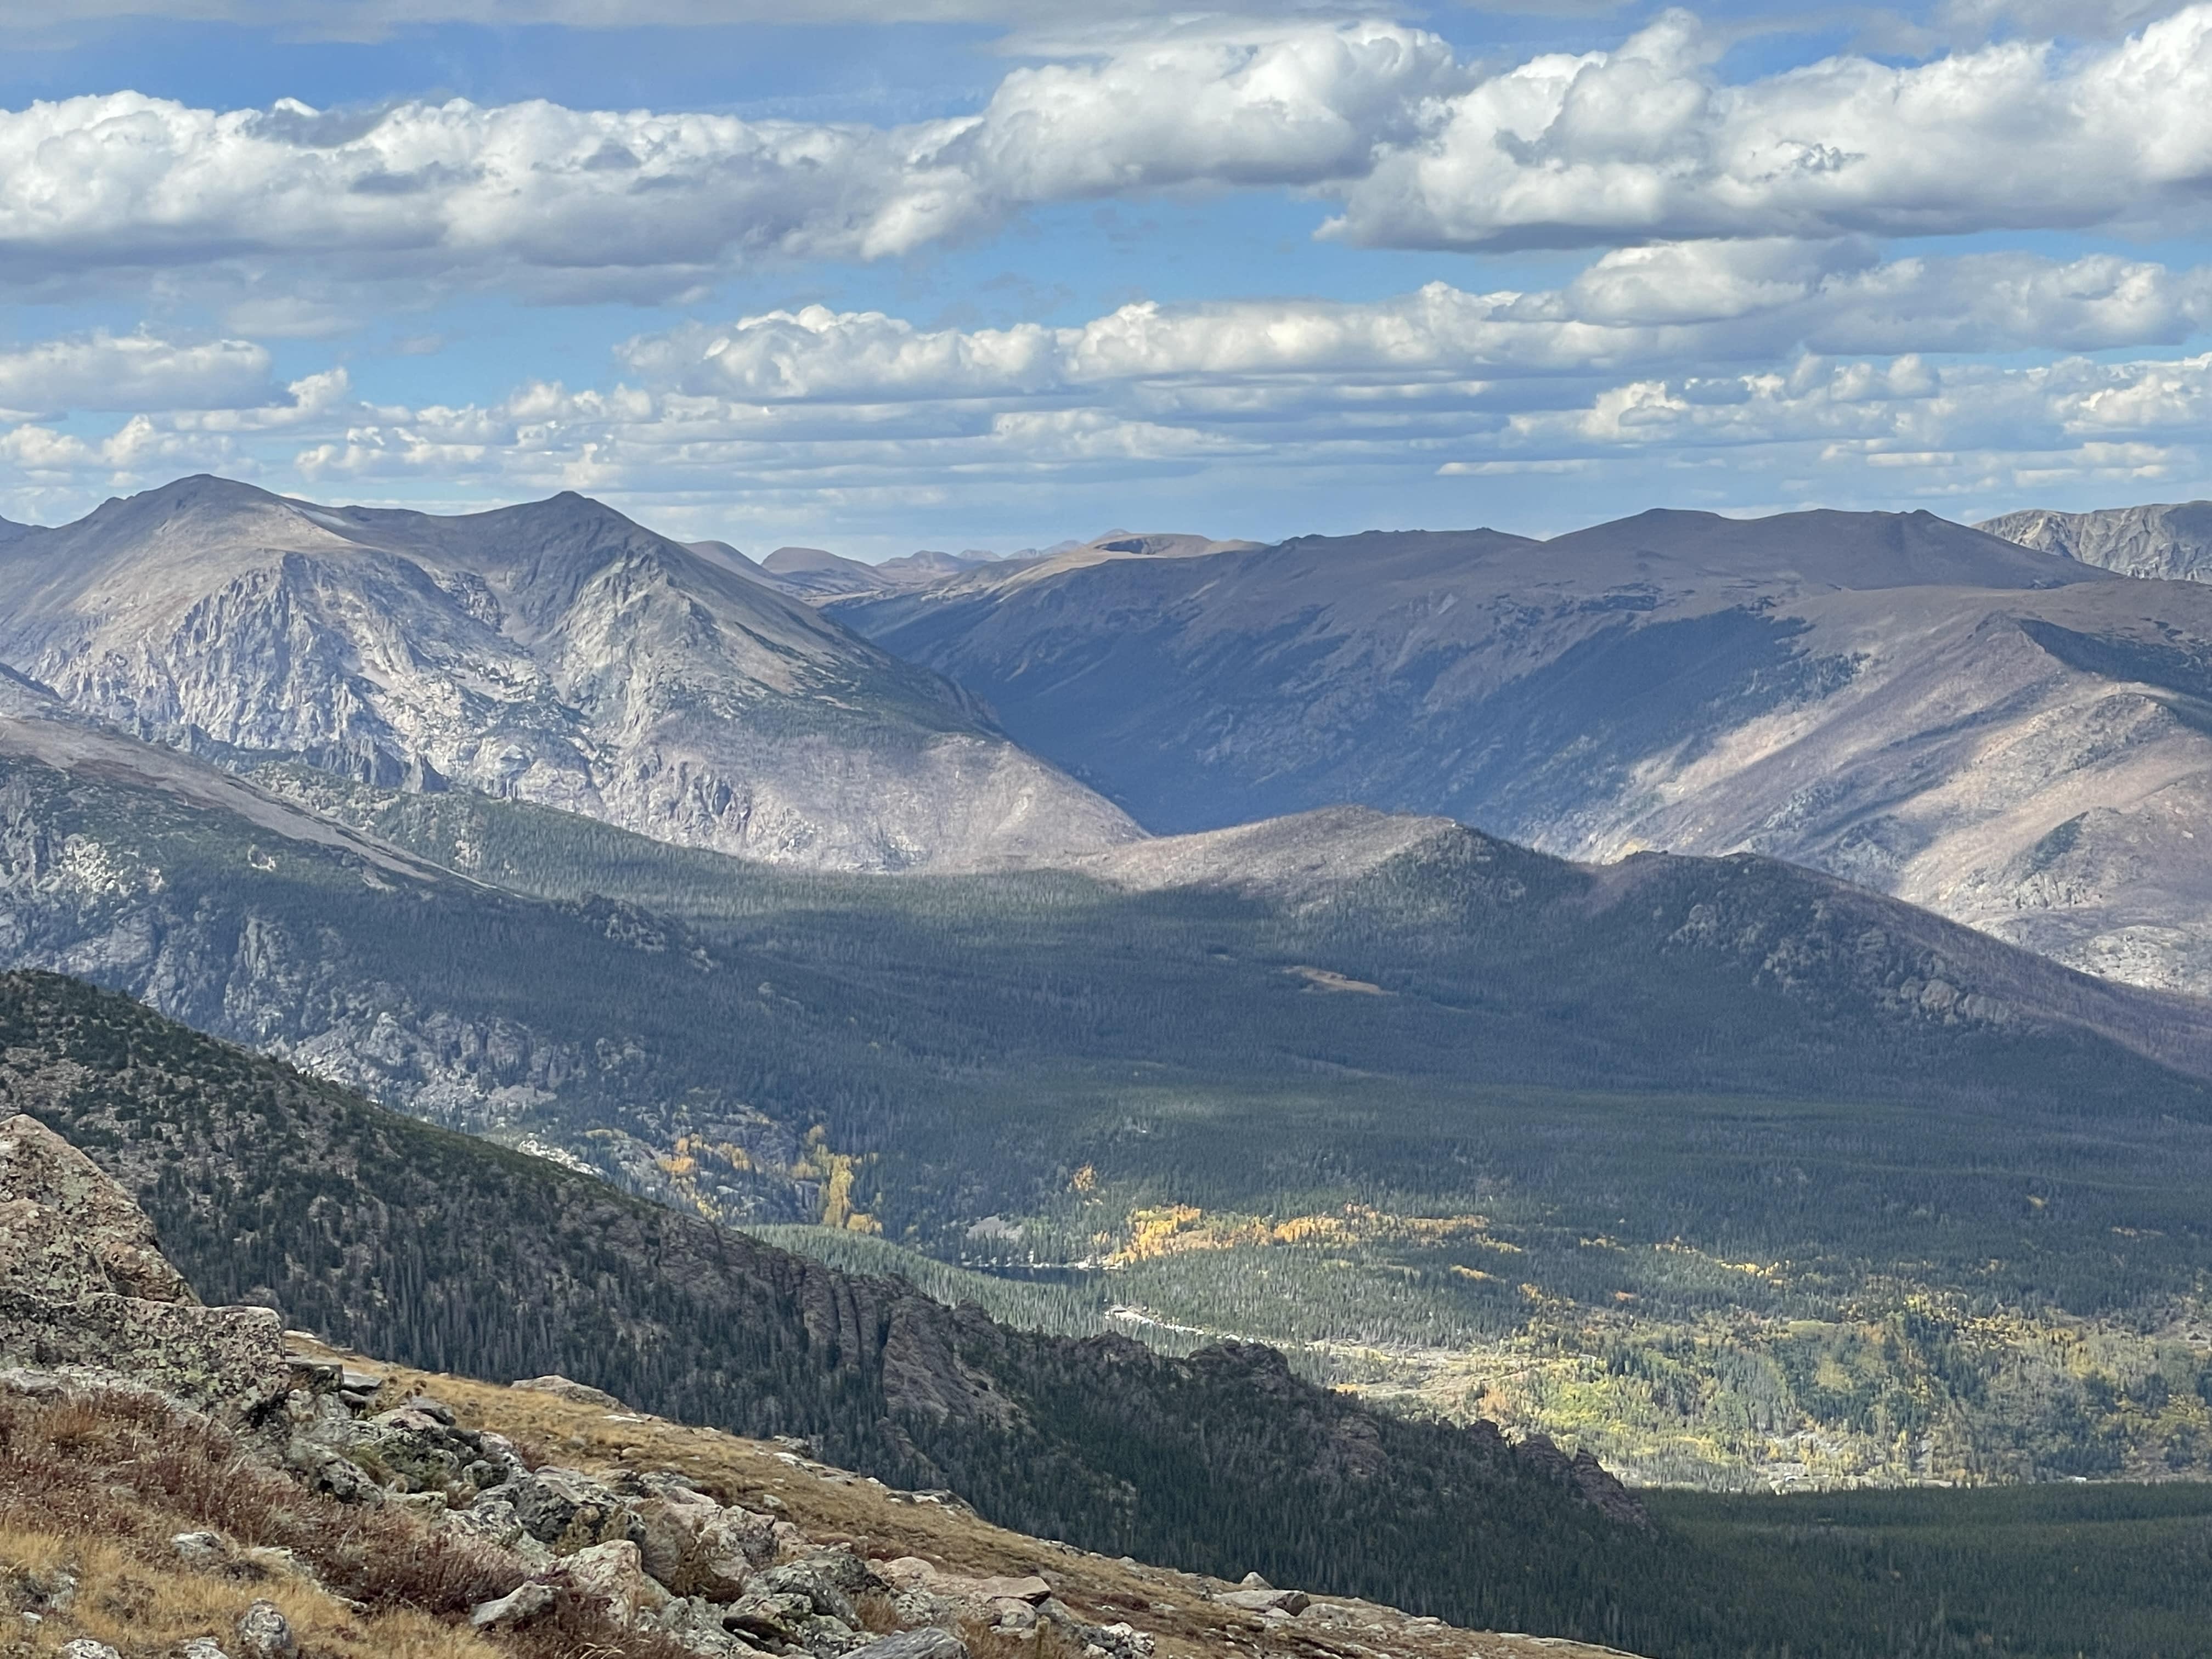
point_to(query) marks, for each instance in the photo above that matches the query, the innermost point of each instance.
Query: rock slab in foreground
(83, 1284)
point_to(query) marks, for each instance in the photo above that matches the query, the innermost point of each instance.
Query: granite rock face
(81, 1284)
(554, 653)
(2171, 540)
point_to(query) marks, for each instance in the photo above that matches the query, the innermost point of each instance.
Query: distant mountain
(9, 530)
(2173, 541)
(554, 652)
(2014, 739)
(822, 578)
(723, 553)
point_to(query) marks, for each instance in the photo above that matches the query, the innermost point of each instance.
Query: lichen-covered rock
(83, 1284)
(696, 1548)
(926, 1643)
(570, 1510)
(611, 1574)
(520, 1606)
(815, 1580)
(697, 1624)
(113, 1242)
(264, 1633)
(231, 1356)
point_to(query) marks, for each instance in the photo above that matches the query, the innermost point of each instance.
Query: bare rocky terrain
(2014, 739)
(2164, 540)
(554, 653)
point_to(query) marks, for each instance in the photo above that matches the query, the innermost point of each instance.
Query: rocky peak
(553, 652)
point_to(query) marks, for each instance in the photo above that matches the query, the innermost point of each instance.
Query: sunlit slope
(1723, 1166)
(554, 652)
(2011, 738)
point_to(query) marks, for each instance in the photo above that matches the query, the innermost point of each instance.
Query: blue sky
(957, 273)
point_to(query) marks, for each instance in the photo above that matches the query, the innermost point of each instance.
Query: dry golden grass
(141, 1605)
(98, 1487)
(834, 1506)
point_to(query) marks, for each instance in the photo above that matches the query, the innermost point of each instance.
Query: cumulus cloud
(1644, 143)
(1747, 355)
(1680, 305)
(1648, 142)
(129, 180)
(133, 372)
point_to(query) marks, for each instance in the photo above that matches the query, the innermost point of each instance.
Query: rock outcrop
(81, 1284)
(2172, 540)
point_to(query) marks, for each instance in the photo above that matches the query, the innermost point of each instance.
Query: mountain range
(554, 653)
(1375, 1058)
(480, 816)
(2012, 739)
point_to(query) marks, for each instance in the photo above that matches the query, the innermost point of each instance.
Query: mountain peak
(554, 651)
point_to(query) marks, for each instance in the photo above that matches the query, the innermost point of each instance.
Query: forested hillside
(436, 1250)
(431, 1248)
(1725, 1170)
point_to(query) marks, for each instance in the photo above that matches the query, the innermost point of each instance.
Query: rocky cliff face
(554, 653)
(2009, 738)
(2169, 541)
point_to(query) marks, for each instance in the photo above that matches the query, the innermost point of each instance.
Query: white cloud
(1641, 145)
(581, 198)
(131, 372)
(1747, 355)
(1647, 142)
(1682, 307)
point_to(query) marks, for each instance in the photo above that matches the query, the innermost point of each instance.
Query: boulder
(696, 1626)
(85, 1648)
(914, 1577)
(81, 1284)
(926, 1643)
(201, 1549)
(1029, 1587)
(517, 1607)
(264, 1633)
(490, 1521)
(696, 1548)
(813, 1580)
(39, 1168)
(571, 1510)
(775, 1617)
(1267, 1601)
(201, 1647)
(561, 1387)
(610, 1573)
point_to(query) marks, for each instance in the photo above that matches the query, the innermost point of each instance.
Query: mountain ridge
(1911, 704)
(2172, 540)
(554, 651)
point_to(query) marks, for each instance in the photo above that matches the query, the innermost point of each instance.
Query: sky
(883, 274)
